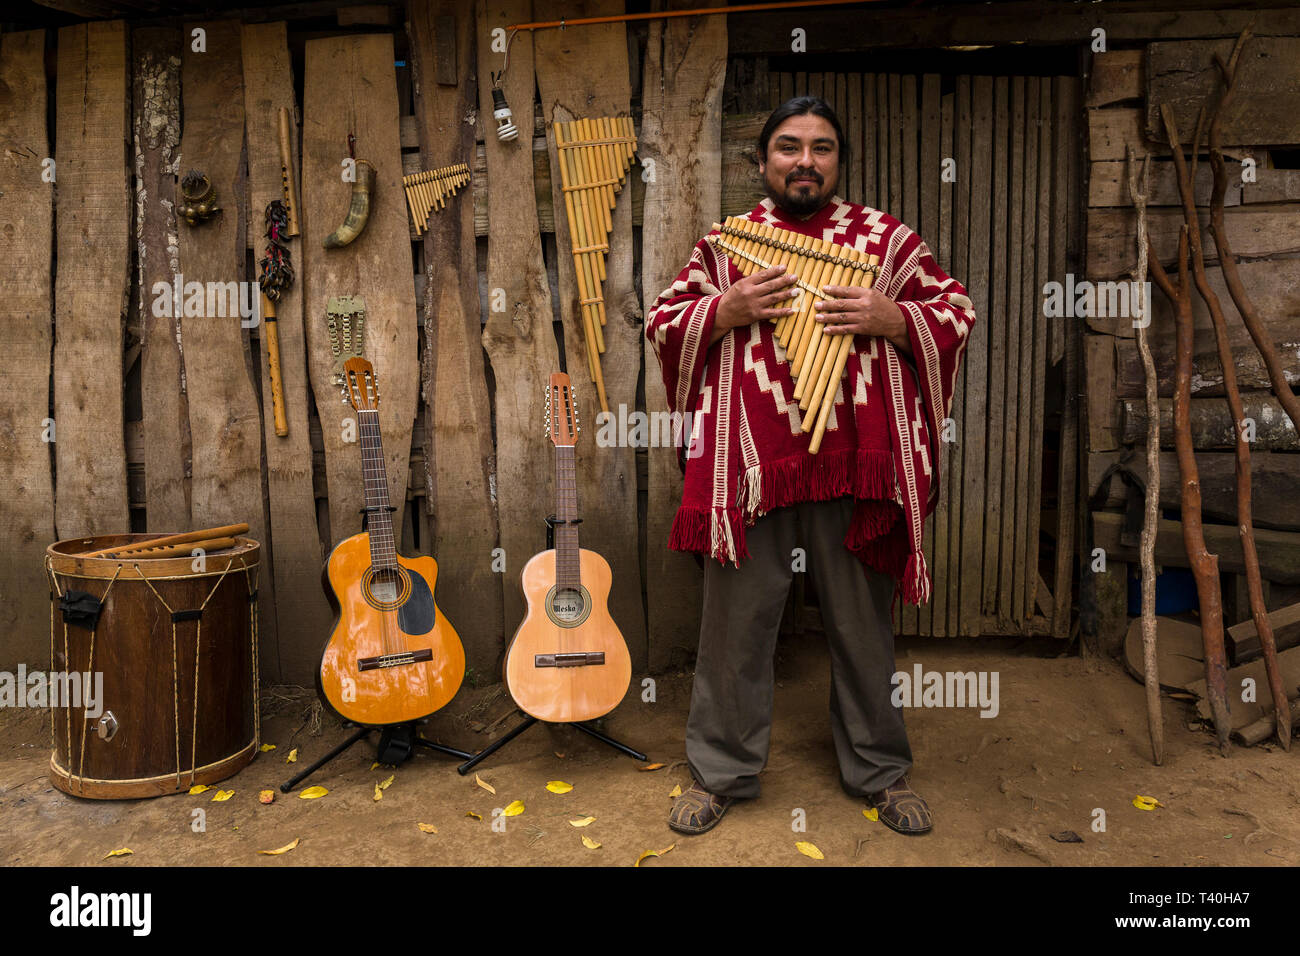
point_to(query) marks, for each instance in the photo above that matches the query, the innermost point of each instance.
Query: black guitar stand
(397, 743)
(496, 745)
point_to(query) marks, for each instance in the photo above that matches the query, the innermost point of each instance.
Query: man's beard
(795, 202)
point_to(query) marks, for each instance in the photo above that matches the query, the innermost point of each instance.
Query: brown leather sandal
(901, 808)
(697, 810)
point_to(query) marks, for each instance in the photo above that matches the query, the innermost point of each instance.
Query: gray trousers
(730, 723)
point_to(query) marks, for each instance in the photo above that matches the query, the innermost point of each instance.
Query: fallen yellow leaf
(266, 796)
(221, 796)
(558, 754)
(1146, 803)
(471, 813)
(589, 843)
(484, 784)
(374, 765)
(125, 851)
(311, 793)
(293, 756)
(266, 748)
(653, 766)
(427, 827)
(872, 814)
(379, 793)
(676, 791)
(584, 822)
(284, 849)
(650, 853)
(808, 849)
(387, 783)
(559, 786)
(515, 808)
(198, 788)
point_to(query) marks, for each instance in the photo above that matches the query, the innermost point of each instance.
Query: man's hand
(752, 299)
(849, 310)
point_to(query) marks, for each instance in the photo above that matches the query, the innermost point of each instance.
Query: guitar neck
(567, 560)
(379, 515)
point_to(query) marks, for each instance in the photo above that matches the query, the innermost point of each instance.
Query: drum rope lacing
(198, 632)
(90, 669)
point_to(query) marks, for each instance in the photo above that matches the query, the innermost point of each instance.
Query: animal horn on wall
(358, 210)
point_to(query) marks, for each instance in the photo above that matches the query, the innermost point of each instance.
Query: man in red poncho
(752, 486)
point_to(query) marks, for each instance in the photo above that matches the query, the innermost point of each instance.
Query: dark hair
(801, 106)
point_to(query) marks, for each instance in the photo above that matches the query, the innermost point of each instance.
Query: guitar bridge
(394, 660)
(571, 659)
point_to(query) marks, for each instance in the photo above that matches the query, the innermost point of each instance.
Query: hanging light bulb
(506, 130)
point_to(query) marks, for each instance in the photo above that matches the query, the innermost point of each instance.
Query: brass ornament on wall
(198, 198)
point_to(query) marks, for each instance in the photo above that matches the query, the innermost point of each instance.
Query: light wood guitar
(392, 656)
(568, 660)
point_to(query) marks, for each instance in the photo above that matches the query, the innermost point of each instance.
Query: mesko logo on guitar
(75, 908)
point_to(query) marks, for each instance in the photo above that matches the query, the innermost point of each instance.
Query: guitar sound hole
(568, 605)
(386, 588)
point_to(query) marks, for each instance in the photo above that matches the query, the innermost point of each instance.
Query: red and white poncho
(747, 452)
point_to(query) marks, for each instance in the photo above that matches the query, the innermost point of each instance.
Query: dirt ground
(1070, 737)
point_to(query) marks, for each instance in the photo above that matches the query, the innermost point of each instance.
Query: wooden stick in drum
(175, 550)
(225, 531)
(288, 183)
(841, 360)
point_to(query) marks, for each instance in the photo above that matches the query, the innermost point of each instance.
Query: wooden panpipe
(429, 190)
(594, 157)
(817, 361)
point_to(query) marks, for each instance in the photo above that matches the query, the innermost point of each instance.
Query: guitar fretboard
(383, 549)
(567, 571)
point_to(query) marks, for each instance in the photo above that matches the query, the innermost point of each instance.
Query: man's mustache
(812, 175)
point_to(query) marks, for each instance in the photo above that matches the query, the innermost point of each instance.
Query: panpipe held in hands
(429, 190)
(594, 157)
(817, 361)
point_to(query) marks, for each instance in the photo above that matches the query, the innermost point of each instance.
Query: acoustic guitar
(392, 656)
(568, 661)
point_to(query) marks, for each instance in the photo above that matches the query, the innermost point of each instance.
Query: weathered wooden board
(1116, 76)
(26, 211)
(584, 74)
(1265, 109)
(225, 421)
(1065, 98)
(1255, 231)
(742, 187)
(976, 139)
(519, 338)
(939, 526)
(1275, 476)
(349, 87)
(681, 131)
(1038, 368)
(303, 615)
(1008, 364)
(1212, 425)
(1207, 373)
(1099, 389)
(93, 213)
(156, 92)
(1279, 551)
(1111, 131)
(1026, 318)
(1108, 185)
(458, 443)
(1272, 185)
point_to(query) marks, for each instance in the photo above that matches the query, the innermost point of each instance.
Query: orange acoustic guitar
(568, 661)
(392, 656)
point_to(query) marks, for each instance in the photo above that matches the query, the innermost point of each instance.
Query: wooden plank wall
(26, 211)
(1263, 221)
(680, 134)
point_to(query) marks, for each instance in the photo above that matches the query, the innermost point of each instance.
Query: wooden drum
(176, 642)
